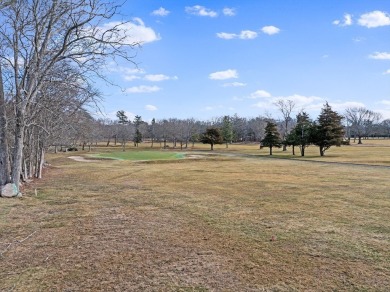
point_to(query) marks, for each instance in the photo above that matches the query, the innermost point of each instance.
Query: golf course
(232, 219)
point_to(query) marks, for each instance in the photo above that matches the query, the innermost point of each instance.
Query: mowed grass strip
(141, 155)
(202, 225)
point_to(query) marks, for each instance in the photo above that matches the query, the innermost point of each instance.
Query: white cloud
(270, 30)
(385, 102)
(142, 89)
(260, 94)
(340, 107)
(200, 11)
(159, 77)
(133, 32)
(131, 77)
(386, 72)
(161, 12)
(244, 35)
(223, 75)
(347, 20)
(384, 109)
(301, 101)
(226, 36)
(150, 107)
(114, 67)
(248, 35)
(380, 56)
(229, 11)
(234, 84)
(374, 19)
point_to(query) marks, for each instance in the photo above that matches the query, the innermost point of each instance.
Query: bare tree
(360, 121)
(285, 107)
(35, 37)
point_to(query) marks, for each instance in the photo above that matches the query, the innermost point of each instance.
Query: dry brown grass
(216, 224)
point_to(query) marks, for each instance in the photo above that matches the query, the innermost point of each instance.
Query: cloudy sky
(205, 59)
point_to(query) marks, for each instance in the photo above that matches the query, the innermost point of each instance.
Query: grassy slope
(230, 224)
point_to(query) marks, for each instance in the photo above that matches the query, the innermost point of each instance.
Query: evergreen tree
(227, 130)
(212, 136)
(123, 120)
(138, 134)
(301, 134)
(272, 137)
(328, 131)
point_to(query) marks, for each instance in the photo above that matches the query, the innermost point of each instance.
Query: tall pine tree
(301, 134)
(272, 137)
(328, 131)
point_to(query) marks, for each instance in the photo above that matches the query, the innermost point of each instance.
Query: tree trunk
(302, 151)
(4, 152)
(293, 149)
(360, 140)
(41, 162)
(270, 150)
(212, 146)
(18, 149)
(322, 152)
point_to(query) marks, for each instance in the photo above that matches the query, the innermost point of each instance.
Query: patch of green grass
(141, 155)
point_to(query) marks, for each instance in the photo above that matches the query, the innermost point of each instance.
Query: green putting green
(141, 155)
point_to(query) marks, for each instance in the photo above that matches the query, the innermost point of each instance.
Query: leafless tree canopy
(49, 52)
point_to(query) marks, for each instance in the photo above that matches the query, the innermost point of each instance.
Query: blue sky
(204, 59)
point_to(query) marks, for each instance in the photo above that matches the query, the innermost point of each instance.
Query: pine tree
(272, 137)
(328, 131)
(227, 130)
(138, 134)
(301, 134)
(123, 120)
(212, 136)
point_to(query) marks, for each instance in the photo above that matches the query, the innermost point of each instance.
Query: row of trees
(325, 132)
(180, 132)
(50, 51)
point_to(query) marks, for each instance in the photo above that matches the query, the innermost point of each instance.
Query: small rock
(9, 191)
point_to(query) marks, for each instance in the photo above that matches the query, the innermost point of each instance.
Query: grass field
(236, 220)
(140, 155)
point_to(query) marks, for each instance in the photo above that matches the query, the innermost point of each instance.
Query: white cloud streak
(200, 11)
(142, 89)
(347, 20)
(159, 77)
(150, 107)
(270, 30)
(229, 11)
(380, 56)
(161, 12)
(223, 75)
(133, 32)
(244, 35)
(260, 94)
(234, 84)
